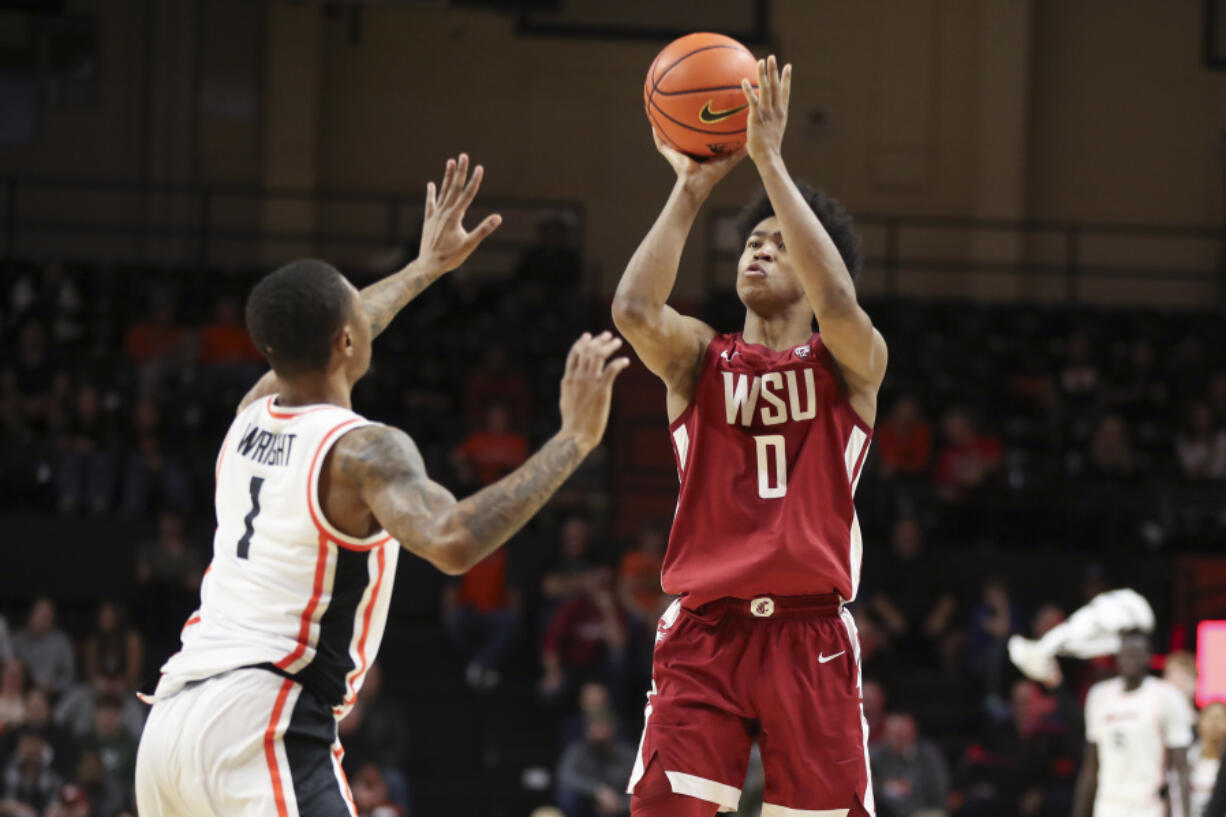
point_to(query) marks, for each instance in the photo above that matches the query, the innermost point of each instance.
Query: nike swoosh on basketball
(709, 116)
(822, 659)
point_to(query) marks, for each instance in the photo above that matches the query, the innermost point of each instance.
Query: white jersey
(1133, 730)
(285, 589)
(1202, 775)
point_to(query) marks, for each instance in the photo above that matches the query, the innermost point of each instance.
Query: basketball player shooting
(314, 503)
(770, 427)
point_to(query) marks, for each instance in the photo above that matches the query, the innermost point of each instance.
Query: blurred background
(1040, 186)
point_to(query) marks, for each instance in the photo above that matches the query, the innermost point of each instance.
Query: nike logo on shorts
(822, 659)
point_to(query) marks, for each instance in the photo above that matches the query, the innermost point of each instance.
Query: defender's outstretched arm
(846, 328)
(670, 344)
(387, 470)
(445, 245)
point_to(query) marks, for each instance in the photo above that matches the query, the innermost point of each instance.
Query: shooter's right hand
(698, 177)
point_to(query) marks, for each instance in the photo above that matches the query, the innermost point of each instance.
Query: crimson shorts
(784, 671)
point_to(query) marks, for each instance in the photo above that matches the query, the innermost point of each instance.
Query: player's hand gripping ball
(693, 94)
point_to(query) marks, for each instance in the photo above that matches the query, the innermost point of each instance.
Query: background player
(313, 503)
(1137, 729)
(770, 426)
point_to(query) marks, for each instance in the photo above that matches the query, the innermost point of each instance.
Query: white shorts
(244, 743)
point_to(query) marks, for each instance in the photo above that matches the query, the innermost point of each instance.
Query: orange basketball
(693, 93)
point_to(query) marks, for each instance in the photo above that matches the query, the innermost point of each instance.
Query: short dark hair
(294, 312)
(829, 212)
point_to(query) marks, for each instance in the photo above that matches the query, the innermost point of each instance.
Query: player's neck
(778, 332)
(311, 389)
(1133, 684)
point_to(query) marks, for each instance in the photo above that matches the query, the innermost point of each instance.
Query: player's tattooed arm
(445, 244)
(846, 328)
(388, 472)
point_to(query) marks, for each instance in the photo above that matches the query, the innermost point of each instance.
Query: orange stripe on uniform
(290, 415)
(339, 755)
(319, 526)
(308, 613)
(270, 748)
(381, 557)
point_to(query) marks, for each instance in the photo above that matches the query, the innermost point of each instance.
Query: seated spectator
(29, 784)
(113, 743)
(967, 460)
(156, 344)
(904, 440)
(114, 648)
(592, 773)
(12, 695)
(38, 719)
(168, 573)
(1205, 756)
(1200, 447)
(87, 458)
(909, 774)
(46, 650)
(586, 639)
(1079, 377)
(1140, 394)
(74, 801)
(374, 732)
(573, 569)
(873, 698)
(34, 370)
(638, 576)
(1111, 455)
(106, 796)
(1180, 672)
(370, 794)
(153, 468)
(593, 697)
(912, 599)
(225, 342)
(492, 452)
(497, 380)
(481, 614)
(75, 711)
(993, 620)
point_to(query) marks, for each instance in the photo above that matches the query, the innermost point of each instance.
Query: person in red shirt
(904, 440)
(638, 575)
(586, 638)
(492, 452)
(481, 613)
(224, 341)
(497, 380)
(968, 459)
(770, 427)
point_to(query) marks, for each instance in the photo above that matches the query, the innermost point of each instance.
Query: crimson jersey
(769, 452)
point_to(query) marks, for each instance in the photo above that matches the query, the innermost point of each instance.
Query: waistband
(828, 605)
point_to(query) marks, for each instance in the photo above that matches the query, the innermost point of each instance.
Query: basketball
(693, 93)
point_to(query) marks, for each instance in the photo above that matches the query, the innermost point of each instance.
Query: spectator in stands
(29, 783)
(156, 345)
(909, 774)
(967, 460)
(592, 773)
(1201, 448)
(586, 639)
(1205, 756)
(153, 467)
(38, 719)
(114, 648)
(904, 440)
(370, 794)
(912, 599)
(497, 380)
(1139, 393)
(76, 710)
(225, 342)
(873, 698)
(993, 620)
(87, 458)
(52, 297)
(491, 452)
(572, 571)
(1180, 672)
(481, 614)
(34, 371)
(114, 744)
(1111, 455)
(12, 695)
(45, 649)
(638, 575)
(1079, 376)
(593, 697)
(106, 795)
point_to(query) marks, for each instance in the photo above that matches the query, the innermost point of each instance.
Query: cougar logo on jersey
(802, 351)
(741, 395)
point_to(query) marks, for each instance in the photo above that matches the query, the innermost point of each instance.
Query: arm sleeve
(1176, 720)
(1092, 725)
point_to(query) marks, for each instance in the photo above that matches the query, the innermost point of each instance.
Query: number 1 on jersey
(244, 544)
(766, 443)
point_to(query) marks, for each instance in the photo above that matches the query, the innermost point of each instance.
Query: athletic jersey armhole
(827, 357)
(684, 417)
(327, 529)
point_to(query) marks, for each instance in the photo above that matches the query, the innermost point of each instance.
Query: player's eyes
(753, 245)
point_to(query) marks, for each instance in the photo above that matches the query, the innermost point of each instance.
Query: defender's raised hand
(698, 177)
(445, 244)
(587, 387)
(768, 109)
